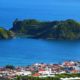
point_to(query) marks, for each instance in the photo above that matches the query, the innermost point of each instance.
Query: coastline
(67, 69)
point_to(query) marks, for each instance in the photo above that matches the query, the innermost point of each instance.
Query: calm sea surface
(27, 51)
(43, 10)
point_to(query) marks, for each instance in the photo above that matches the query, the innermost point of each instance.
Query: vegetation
(68, 29)
(64, 30)
(5, 34)
(57, 77)
(4, 78)
(10, 67)
(67, 75)
(35, 78)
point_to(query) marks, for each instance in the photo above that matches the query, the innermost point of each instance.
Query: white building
(46, 73)
(24, 73)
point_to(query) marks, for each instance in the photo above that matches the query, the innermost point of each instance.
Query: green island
(62, 30)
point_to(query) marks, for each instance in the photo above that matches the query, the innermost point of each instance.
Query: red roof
(68, 64)
(74, 71)
(41, 69)
(36, 75)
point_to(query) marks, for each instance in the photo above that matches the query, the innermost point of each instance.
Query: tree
(9, 67)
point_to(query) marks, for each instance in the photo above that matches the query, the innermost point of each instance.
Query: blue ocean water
(28, 51)
(38, 9)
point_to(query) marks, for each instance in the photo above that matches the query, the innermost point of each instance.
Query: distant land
(59, 30)
(6, 34)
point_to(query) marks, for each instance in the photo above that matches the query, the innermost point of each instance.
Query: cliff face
(5, 34)
(68, 29)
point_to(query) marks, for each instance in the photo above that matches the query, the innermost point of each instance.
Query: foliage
(9, 67)
(6, 34)
(68, 29)
(36, 78)
(4, 78)
(67, 75)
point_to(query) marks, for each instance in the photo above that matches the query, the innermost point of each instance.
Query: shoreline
(42, 70)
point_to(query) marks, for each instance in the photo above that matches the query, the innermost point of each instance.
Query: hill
(65, 30)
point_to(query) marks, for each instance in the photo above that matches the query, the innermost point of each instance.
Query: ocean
(24, 51)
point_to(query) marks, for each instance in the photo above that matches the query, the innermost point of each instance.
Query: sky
(38, 9)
